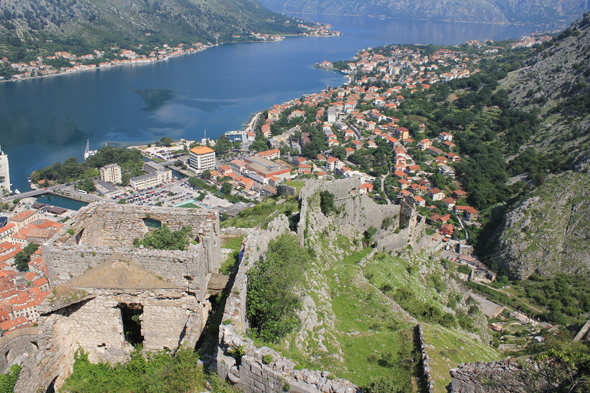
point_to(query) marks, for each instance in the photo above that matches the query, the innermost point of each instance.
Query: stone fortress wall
(251, 374)
(100, 230)
(17, 346)
(98, 276)
(361, 212)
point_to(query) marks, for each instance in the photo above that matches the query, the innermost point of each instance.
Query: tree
(326, 202)
(339, 152)
(22, 261)
(125, 177)
(226, 188)
(223, 145)
(87, 185)
(166, 141)
(206, 174)
(196, 182)
(273, 295)
(165, 239)
(31, 248)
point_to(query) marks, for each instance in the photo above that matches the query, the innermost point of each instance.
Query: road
(53, 190)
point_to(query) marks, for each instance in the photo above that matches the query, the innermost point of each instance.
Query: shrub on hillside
(273, 298)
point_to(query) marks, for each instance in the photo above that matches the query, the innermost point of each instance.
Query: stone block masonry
(17, 346)
(109, 294)
(100, 230)
(361, 212)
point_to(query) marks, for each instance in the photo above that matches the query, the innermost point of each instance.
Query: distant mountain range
(31, 23)
(554, 13)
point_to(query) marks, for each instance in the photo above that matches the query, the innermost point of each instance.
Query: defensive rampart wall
(250, 372)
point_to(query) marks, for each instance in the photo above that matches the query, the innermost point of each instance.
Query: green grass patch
(297, 184)
(262, 213)
(451, 348)
(233, 242)
(190, 205)
(160, 372)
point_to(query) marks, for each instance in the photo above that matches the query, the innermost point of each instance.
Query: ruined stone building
(397, 225)
(109, 295)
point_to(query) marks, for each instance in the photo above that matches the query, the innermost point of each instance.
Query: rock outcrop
(550, 231)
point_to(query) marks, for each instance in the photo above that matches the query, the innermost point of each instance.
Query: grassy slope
(447, 347)
(355, 334)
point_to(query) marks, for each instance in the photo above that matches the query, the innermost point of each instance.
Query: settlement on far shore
(37, 69)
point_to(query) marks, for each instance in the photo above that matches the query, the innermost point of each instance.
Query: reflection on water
(155, 98)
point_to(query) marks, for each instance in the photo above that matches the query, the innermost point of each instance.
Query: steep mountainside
(556, 83)
(32, 22)
(538, 12)
(550, 231)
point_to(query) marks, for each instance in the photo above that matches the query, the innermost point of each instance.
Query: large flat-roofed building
(201, 158)
(152, 167)
(111, 173)
(261, 170)
(150, 180)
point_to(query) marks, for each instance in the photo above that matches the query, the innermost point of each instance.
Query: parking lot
(171, 194)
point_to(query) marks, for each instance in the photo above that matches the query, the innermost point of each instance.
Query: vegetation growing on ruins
(158, 373)
(273, 289)
(165, 239)
(262, 213)
(8, 379)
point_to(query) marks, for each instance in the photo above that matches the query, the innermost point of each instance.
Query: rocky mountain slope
(550, 231)
(556, 83)
(538, 12)
(96, 21)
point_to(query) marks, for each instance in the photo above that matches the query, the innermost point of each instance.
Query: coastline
(148, 61)
(119, 64)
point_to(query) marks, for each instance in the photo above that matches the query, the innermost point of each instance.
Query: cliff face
(537, 12)
(550, 231)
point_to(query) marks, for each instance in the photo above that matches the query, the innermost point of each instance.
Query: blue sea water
(46, 120)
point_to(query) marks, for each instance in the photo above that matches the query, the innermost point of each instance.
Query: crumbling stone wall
(505, 376)
(104, 224)
(100, 230)
(187, 269)
(94, 324)
(361, 212)
(251, 374)
(424, 361)
(97, 273)
(16, 346)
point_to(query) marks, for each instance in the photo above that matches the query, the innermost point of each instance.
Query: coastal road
(67, 189)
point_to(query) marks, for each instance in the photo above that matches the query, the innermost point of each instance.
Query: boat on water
(88, 152)
(17, 191)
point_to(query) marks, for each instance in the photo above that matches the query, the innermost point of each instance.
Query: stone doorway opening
(131, 317)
